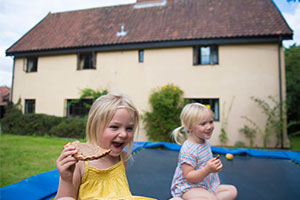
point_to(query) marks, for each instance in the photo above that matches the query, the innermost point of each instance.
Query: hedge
(14, 122)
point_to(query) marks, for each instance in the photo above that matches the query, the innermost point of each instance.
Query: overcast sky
(17, 17)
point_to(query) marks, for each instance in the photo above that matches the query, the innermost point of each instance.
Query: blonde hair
(190, 114)
(102, 112)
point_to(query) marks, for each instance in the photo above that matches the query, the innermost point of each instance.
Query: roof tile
(177, 20)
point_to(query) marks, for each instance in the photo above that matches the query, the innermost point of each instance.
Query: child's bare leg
(198, 194)
(226, 192)
(176, 198)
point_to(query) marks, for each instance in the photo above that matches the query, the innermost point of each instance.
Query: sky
(17, 17)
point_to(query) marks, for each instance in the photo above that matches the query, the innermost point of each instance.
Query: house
(213, 50)
(4, 100)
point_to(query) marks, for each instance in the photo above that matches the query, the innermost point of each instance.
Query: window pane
(214, 55)
(29, 106)
(216, 108)
(31, 64)
(86, 61)
(78, 108)
(205, 55)
(141, 56)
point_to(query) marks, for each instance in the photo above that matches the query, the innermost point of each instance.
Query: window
(78, 108)
(29, 106)
(141, 56)
(86, 60)
(213, 104)
(31, 64)
(205, 55)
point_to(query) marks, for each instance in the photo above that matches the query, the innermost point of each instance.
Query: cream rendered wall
(243, 71)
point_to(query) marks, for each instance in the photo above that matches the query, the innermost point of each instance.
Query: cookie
(88, 151)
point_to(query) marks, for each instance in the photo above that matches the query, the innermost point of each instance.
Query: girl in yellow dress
(112, 122)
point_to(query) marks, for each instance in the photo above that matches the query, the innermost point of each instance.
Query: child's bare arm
(193, 176)
(68, 170)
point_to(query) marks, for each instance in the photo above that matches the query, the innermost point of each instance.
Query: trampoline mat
(151, 171)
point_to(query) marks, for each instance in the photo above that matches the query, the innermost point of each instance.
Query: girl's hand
(214, 165)
(66, 163)
(195, 175)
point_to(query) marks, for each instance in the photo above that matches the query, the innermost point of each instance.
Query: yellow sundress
(106, 184)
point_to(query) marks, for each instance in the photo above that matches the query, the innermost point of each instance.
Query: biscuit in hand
(87, 151)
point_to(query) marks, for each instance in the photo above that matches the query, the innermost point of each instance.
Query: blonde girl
(196, 174)
(112, 122)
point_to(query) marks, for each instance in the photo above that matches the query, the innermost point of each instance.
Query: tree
(292, 64)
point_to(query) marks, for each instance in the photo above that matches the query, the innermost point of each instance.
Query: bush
(14, 122)
(70, 128)
(239, 144)
(166, 104)
(40, 124)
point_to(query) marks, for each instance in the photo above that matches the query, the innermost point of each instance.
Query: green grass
(25, 156)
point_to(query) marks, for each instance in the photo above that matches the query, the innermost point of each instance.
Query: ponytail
(180, 135)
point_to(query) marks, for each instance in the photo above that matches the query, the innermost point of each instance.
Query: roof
(4, 96)
(170, 20)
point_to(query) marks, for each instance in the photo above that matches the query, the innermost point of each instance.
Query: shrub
(14, 122)
(40, 124)
(166, 104)
(70, 128)
(239, 144)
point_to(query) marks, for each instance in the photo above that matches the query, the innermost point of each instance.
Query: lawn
(25, 156)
